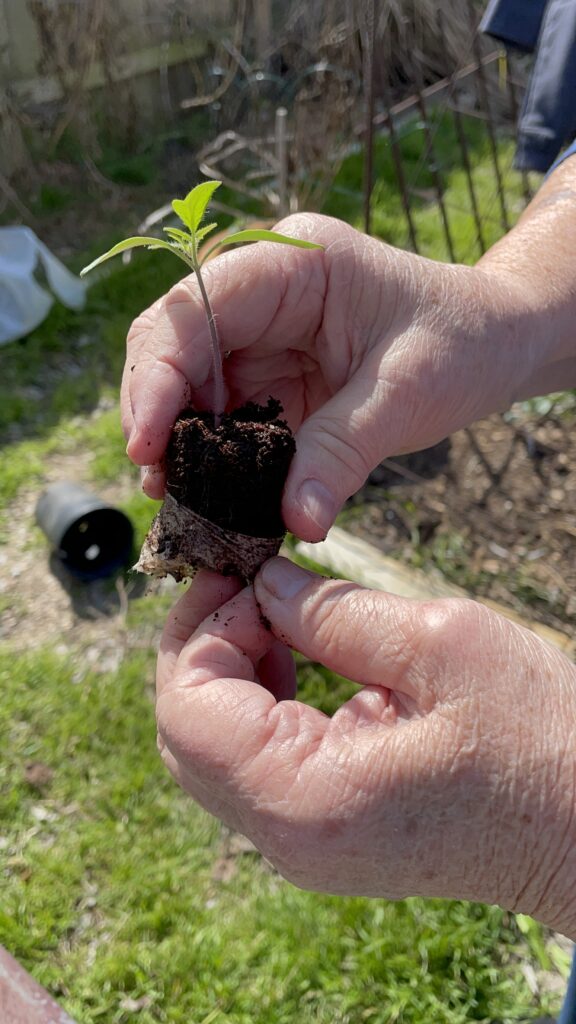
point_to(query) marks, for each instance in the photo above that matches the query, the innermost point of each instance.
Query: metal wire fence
(77, 80)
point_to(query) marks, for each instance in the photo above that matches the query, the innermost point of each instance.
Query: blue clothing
(571, 151)
(548, 116)
(515, 23)
(568, 1011)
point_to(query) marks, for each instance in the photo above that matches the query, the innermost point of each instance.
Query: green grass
(388, 218)
(110, 891)
(56, 381)
(72, 360)
(117, 891)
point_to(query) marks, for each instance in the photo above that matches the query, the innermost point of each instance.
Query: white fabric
(23, 301)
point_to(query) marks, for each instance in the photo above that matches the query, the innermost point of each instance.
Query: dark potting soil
(233, 475)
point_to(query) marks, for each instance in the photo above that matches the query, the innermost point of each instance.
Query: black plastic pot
(91, 539)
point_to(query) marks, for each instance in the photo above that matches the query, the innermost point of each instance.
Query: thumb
(336, 448)
(371, 637)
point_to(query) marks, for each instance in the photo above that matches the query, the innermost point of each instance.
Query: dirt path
(41, 604)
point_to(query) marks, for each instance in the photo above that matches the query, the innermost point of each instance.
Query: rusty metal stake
(282, 159)
(514, 106)
(463, 143)
(487, 107)
(368, 61)
(388, 119)
(430, 158)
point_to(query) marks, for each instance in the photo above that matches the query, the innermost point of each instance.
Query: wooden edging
(22, 999)
(355, 559)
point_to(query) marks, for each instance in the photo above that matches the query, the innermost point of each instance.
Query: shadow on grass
(105, 597)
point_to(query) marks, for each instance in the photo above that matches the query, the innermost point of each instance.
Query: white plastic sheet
(23, 301)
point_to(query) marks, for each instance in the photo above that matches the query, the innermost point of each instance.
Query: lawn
(119, 895)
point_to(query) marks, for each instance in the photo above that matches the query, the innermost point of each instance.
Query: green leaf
(183, 237)
(202, 232)
(262, 235)
(533, 933)
(192, 209)
(181, 211)
(174, 247)
(129, 243)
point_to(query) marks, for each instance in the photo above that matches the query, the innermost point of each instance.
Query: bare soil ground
(494, 507)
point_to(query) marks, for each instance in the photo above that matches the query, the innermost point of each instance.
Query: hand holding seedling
(186, 246)
(224, 470)
(371, 351)
(451, 773)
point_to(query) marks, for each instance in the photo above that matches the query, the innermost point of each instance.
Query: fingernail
(318, 503)
(283, 579)
(131, 440)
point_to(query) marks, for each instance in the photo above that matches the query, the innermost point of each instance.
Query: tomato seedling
(186, 246)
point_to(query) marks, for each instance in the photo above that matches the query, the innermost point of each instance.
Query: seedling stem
(218, 399)
(184, 244)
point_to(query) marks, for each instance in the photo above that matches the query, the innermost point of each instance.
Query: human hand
(371, 350)
(451, 773)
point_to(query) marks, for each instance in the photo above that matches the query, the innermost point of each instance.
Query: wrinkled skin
(437, 778)
(453, 771)
(371, 351)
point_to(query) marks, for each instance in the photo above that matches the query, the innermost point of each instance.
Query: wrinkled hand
(371, 350)
(451, 773)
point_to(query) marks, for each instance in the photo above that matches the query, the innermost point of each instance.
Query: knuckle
(452, 625)
(302, 879)
(279, 846)
(142, 326)
(126, 421)
(326, 615)
(307, 871)
(302, 225)
(329, 438)
(184, 291)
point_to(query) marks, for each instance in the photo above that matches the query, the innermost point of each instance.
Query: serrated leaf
(129, 243)
(202, 232)
(262, 235)
(192, 209)
(178, 236)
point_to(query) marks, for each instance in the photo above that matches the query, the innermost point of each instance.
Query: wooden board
(22, 999)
